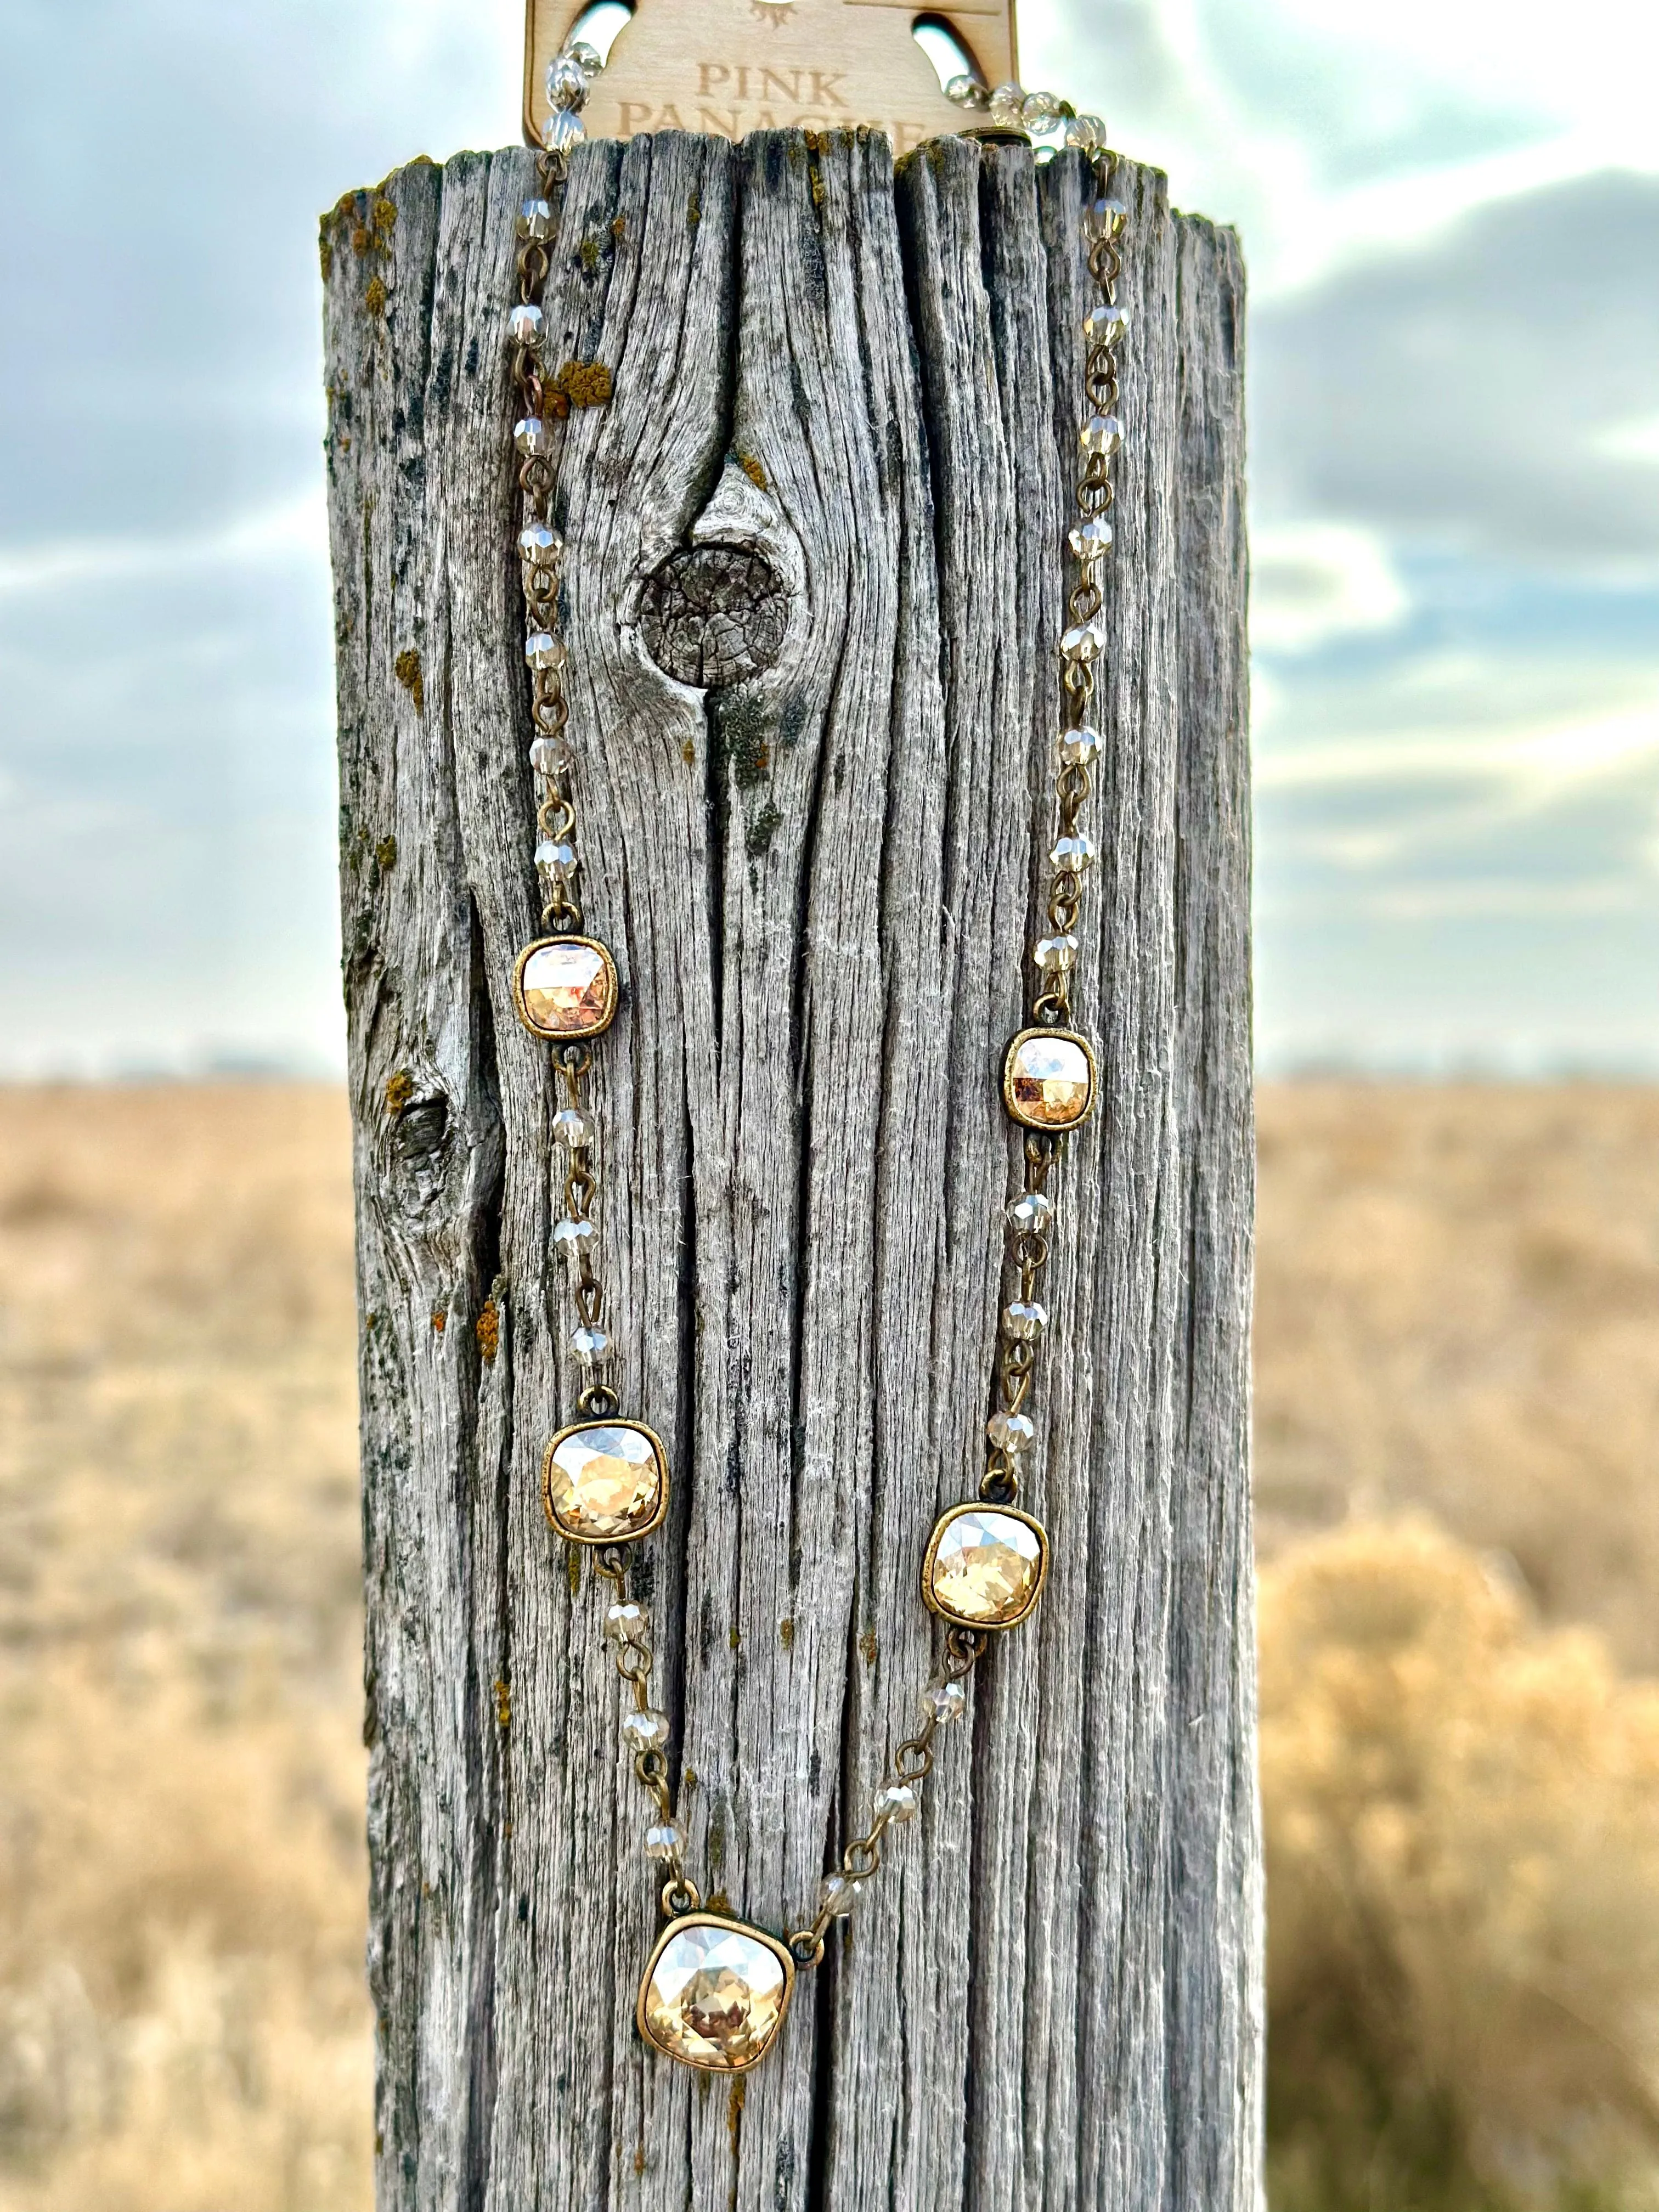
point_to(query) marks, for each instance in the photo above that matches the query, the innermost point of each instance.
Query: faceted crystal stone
(604, 1481)
(1085, 130)
(1011, 1432)
(1093, 540)
(1029, 1214)
(967, 92)
(573, 1237)
(1072, 855)
(1007, 106)
(556, 852)
(836, 1893)
(539, 546)
(1104, 327)
(714, 1994)
(567, 82)
(664, 1839)
(1050, 1081)
(524, 325)
(625, 1622)
(589, 1344)
(645, 1731)
(943, 1703)
(573, 1129)
(588, 60)
(548, 755)
(535, 220)
(1079, 747)
(897, 1801)
(530, 434)
(564, 129)
(1101, 434)
(1038, 110)
(1105, 218)
(566, 988)
(543, 650)
(1054, 953)
(985, 1566)
(1083, 641)
(1025, 1319)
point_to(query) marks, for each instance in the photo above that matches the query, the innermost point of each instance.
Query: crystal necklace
(716, 1989)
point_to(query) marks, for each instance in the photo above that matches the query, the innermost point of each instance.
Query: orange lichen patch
(867, 1646)
(752, 469)
(583, 383)
(407, 670)
(399, 1089)
(439, 1319)
(488, 1329)
(374, 298)
(503, 1703)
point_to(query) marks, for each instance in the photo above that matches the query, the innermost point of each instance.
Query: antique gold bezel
(613, 991)
(605, 1421)
(962, 1620)
(1027, 1120)
(773, 1943)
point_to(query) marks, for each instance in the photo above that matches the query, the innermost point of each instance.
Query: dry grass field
(1460, 1749)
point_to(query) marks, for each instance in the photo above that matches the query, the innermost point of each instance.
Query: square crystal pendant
(565, 988)
(985, 1567)
(1049, 1078)
(715, 1993)
(605, 1482)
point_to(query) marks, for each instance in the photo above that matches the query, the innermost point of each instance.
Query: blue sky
(1451, 215)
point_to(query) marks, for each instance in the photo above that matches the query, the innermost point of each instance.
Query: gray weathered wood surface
(817, 881)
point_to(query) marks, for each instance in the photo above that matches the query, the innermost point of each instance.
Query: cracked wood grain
(830, 488)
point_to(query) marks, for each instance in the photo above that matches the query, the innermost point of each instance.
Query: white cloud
(1313, 581)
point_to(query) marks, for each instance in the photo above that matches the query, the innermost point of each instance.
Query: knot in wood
(712, 614)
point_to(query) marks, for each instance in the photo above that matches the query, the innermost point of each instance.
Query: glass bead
(565, 129)
(1039, 110)
(540, 547)
(1025, 1321)
(588, 60)
(967, 92)
(1011, 1432)
(1105, 327)
(1091, 540)
(626, 1623)
(836, 1894)
(1007, 105)
(1030, 1213)
(535, 220)
(572, 1127)
(1083, 641)
(1105, 217)
(943, 1703)
(589, 1344)
(543, 650)
(572, 1238)
(1085, 130)
(664, 1839)
(1101, 434)
(898, 1801)
(530, 434)
(524, 325)
(1079, 747)
(555, 852)
(1072, 854)
(547, 755)
(1054, 954)
(567, 82)
(645, 1731)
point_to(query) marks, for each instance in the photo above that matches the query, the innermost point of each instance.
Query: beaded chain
(716, 1989)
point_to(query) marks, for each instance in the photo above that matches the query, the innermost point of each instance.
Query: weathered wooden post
(816, 810)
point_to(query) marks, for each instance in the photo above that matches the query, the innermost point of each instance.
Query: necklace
(716, 1989)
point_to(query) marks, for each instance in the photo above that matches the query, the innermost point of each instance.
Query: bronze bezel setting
(613, 991)
(965, 1620)
(606, 1421)
(1047, 1031)
(775, 1944)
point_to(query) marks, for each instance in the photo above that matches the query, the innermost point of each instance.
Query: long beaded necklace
(716, 1989)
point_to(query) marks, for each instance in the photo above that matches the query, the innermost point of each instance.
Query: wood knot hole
(713, 614)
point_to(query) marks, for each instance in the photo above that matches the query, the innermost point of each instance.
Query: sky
(1450, 215)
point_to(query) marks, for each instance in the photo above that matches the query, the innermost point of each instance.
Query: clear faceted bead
(1105, 327)
(898, 1801)
(664, 1839)
(535, 220)
(564, 129)
(1007, 106)
(543, 650)
(530, 434)
(1091, 540)
(967, 92)
(1030, 1213)
(524, 325)
(572, 1127)
(1083, 641)
(1101, 434)
(1105, 218)
(589, 1344)
(1079, 747)
(1055, 953)
(1038, 110)
(556, 852)
(1085, 130)
(1072, 854)
(540, 547)
(588, 60)
(645, 1731)
(626, 1623)
(567, 82)
(943, 1703)
(1025, 1319)
(836, 1894)
(572, 1238)
(548, 755)
(1011, 1432)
